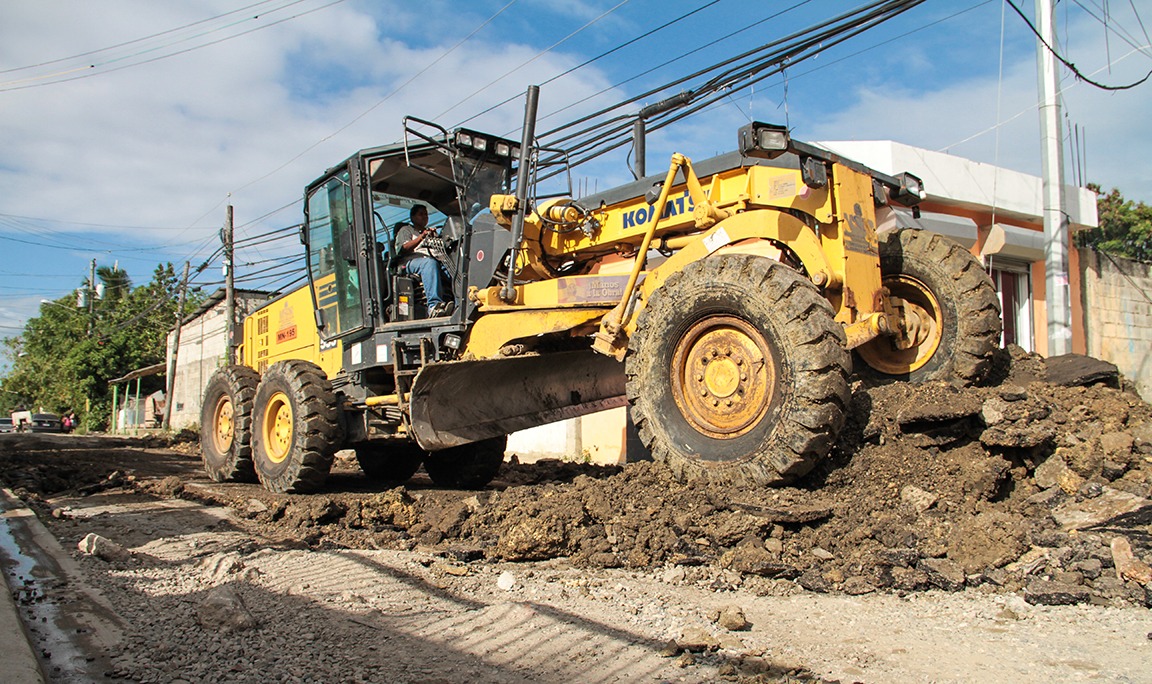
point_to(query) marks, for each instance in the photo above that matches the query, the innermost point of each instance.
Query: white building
(203, 349)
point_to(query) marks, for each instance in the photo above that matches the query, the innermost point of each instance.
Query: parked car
(46, 422)
(5, 425)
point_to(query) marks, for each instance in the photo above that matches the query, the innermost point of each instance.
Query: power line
(1118, 29)
(136, 40)
(607, 130)
(378, 102)
(677, 58)
(630, 42)
(11, 85)
(1072, 67)
(535, 57)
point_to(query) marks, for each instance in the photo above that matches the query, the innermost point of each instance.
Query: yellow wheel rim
(924, 325)
(223, 425)
(277, 427)
(723, 377)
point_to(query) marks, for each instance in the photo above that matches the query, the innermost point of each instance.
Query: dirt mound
(1024, 485)
(1018, 486)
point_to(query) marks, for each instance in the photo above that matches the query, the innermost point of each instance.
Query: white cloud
(961, 116)
(162, 143)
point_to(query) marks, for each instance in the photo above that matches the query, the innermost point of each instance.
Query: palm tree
(116, 283)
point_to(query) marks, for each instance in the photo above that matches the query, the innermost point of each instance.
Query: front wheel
(226, 424)
(737, 372)
(297, 429)
(950, 308)
(468, 466)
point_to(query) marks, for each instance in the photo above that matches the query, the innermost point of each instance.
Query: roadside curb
(78, 637)
(21, 666)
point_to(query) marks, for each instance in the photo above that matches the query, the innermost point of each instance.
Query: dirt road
(955, 536)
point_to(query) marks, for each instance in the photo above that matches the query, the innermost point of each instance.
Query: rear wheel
(226, 424)
(297, 429)
(468, 466)
(951, 308)
(738, 372)
(389, 462)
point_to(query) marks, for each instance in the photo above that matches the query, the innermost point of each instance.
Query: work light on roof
(766, 141)
(504, 149)
(911, 190)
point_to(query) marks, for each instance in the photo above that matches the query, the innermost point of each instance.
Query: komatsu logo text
(673, 207)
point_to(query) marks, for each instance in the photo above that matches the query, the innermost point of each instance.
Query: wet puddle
(33, 579)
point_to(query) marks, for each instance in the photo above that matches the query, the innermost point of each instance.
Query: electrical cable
(9, 86)
(551, 134)
(535, 57)
(1119, 30)
(135, 40)
(617, 48)
(736, 73)
(378, 102)
(679, 57)
(1072, 67)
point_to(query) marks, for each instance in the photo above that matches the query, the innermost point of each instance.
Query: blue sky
(127, 127)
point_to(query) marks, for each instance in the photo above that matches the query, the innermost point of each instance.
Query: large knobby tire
(389, 462)
(296, 428)
(469, 466)
(951, 303)
(738, 372)
(226, 424)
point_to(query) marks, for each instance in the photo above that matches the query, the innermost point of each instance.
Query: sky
(127, 127)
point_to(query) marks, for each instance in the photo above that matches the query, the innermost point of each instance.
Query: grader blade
(467, 401)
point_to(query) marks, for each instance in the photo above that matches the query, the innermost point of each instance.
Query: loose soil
(1018, 507)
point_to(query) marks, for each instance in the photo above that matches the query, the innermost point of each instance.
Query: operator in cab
(415, 247)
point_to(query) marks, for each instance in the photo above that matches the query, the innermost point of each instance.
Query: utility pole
(229, 288)
(175, 350)
(1057, 289)
(639, 147)
(91, 298)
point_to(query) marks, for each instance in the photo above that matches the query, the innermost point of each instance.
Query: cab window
(332, 257)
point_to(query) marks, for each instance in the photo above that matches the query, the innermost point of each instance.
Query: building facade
(203, 349)
(998, 215)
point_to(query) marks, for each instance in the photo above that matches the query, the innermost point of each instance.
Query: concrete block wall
(1118, 314)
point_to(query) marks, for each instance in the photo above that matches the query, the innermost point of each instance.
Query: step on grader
(725, 304)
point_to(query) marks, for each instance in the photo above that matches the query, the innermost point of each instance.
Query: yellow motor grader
(724, 303)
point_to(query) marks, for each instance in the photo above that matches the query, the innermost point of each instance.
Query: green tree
(1125, 227)
(117, 284)
(56, 365)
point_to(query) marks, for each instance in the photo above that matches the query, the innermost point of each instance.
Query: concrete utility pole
(175, 350)
(91, 298)
(1056, 283)
(229, 288)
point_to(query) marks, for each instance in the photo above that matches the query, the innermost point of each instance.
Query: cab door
(336, 274)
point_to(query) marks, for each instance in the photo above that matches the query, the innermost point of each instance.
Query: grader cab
(724, 304)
